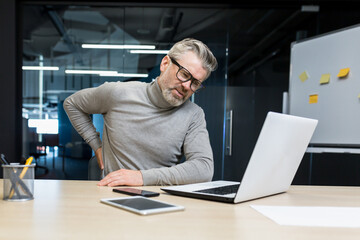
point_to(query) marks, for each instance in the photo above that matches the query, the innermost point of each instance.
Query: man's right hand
(98, 154)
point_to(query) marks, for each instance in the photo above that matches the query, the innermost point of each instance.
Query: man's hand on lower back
(98, 154)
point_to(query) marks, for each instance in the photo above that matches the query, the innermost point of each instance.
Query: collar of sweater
(156, 97)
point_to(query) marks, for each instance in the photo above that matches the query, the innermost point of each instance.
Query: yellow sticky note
(304, 76)
(343, 72)
(359, 95)
(325, 78)
(313, 98)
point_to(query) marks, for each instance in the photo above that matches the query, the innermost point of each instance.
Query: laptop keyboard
(221, 190)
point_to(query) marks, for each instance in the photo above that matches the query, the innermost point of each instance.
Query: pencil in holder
(18, 182)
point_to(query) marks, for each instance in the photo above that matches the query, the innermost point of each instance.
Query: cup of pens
(18, 181)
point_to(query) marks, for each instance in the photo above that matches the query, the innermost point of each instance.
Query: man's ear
(165, 62)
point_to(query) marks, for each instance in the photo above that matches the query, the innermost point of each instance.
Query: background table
(72, 210)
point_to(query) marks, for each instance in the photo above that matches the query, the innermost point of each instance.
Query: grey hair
(207, 58)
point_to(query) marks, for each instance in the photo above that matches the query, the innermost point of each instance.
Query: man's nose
(186, 85)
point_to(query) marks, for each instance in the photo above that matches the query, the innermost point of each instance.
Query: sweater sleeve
(81, 104)
(199, 165)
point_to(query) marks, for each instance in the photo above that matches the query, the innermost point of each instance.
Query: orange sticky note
(304, 76)
(343, 72)
(313, 98)
(325, 78)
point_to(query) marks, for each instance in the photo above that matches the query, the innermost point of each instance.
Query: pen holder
(18, 182)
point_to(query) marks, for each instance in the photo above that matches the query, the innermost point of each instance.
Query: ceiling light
(150, 51)
(310, 8)
(40, 68)
(98, 72)
(49, 126)
(125, 75)
(106, 73)
(59, 91)
(112, 46)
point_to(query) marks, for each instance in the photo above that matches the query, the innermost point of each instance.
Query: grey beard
(171, 99)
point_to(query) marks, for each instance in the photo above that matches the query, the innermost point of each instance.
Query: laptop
(275, 159)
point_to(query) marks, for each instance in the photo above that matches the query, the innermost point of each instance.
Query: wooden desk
(72, 210)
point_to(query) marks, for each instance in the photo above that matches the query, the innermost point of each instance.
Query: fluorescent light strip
(50, 126)
(106, 73)
(125, 75)
(150, 51)
(38, 68)
(111, 46)
(59, 91)
(98, 72)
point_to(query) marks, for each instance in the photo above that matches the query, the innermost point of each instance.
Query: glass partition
(68, 48)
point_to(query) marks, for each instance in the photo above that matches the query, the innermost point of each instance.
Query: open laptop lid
(276, 157)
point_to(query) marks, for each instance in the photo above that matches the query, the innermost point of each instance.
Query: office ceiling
(254, 34)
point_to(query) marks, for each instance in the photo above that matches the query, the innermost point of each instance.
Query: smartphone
(141, 205)
(136, 192)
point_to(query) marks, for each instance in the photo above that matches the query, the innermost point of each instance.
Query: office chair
(94, 171)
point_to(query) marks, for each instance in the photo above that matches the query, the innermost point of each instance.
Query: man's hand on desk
(122, 177)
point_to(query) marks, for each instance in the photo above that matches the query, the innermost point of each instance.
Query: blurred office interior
(55, 48)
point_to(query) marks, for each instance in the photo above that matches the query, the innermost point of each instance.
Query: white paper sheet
(348, 217)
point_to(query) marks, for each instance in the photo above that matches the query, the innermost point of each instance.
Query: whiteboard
(337, 106)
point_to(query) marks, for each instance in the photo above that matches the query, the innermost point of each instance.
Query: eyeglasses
(184, 75)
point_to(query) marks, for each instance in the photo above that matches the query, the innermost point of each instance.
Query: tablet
(141, 205)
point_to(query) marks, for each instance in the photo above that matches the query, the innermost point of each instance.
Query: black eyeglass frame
(192, 79)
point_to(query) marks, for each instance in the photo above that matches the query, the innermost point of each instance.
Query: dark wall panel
(10, 91)
(212, 102)
(250, 106)
(334, 169)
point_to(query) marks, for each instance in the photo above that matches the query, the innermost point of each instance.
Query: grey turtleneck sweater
(142, 131)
